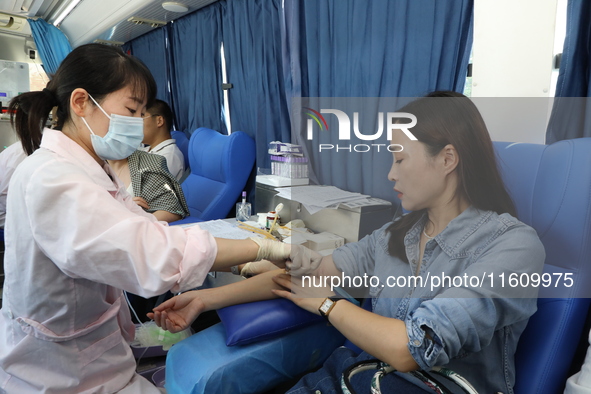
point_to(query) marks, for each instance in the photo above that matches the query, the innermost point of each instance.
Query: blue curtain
(153, 49)
(196, 69)
(52, 44)
(378, 48)
(252, 44)
(571, 104)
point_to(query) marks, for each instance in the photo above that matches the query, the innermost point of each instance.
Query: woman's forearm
(256, 288)
(166, 216)
(387, 340)
(233, 252)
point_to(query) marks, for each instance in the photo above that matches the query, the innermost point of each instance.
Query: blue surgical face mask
(123, 138)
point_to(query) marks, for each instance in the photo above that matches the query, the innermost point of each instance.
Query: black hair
(97, 68)
(161, 108)
(443, 118)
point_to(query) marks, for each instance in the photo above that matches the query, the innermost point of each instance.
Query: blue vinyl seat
(203, 363)
(220, 166)
(551, 188)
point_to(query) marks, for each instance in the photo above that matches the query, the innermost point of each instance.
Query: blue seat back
(220, 166)
(551, 188)
(182, 142)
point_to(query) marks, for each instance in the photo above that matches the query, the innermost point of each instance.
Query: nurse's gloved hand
(304, 261)
(257, 267)
(274, 251)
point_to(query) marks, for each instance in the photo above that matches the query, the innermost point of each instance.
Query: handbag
(384, 368)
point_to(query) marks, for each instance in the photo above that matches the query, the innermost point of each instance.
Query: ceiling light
(65, 13)
(174, 7)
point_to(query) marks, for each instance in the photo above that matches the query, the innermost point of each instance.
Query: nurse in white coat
(75, 239)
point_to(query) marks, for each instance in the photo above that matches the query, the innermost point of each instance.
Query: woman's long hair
(444, 118)
(99, 69)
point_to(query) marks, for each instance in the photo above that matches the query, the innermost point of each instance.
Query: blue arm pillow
(257, 321)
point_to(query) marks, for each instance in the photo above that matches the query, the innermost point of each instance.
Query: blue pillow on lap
(260, 320)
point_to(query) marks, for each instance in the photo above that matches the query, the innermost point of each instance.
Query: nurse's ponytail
(99, 69)
(28, 115)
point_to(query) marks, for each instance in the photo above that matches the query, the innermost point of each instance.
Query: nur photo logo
(402, 121)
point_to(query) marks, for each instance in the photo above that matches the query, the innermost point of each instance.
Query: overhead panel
(10, 23)
(108, 20)
(26, 8)
(90, 18)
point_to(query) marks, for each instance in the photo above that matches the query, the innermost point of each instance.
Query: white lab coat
(10, 158)
(74, 238)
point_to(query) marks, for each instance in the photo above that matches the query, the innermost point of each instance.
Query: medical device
(243, 209)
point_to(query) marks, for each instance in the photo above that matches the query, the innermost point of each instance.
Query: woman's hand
(179, 312)
(141, 202)
(306, 297)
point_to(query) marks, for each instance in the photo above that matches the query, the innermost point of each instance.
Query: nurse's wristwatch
(327, 305)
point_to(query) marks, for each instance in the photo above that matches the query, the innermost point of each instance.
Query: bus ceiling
(84, 21)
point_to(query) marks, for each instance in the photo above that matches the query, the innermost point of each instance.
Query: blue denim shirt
(473, 326)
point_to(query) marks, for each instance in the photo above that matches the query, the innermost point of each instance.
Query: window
(225, 87)
(468, 84)
(559, 36)
(38, 79)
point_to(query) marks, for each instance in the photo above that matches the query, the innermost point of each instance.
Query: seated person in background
(10, 158)
(151, 185)
(462, 224)
(154, 189)
(157, 127)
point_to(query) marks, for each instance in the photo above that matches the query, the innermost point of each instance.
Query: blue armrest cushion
(257, 321)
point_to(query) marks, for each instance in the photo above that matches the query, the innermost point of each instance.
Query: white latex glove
(257, 267)
(304, 261)
(274, 251)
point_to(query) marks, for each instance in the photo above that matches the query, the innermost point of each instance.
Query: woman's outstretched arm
(179, 312)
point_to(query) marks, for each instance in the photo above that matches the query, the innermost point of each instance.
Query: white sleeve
(88, 233)
(176, 165)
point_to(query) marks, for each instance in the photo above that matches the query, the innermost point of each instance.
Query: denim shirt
(473, 322)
